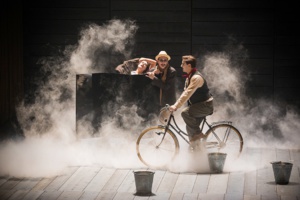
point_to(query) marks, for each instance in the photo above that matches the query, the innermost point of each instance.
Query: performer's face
(162, 62)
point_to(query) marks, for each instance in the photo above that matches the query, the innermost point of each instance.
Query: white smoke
(223, 79)
(49, 125)
(91, 55)
(261, 122)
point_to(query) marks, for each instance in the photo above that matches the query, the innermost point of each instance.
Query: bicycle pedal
(194, 147)
(191, 150)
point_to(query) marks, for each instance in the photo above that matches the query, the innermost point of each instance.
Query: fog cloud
(261, 122)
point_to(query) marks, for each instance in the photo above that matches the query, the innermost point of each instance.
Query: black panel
(108, 95)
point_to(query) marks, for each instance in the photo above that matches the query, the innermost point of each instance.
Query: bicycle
(158, 145)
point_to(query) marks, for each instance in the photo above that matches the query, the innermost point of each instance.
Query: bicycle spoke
(224, 138)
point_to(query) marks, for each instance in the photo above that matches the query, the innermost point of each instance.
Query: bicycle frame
(175, 128)
(182, 133)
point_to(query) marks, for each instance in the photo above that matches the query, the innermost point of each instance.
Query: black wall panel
(286, 54)
(104, 95)
(51, 25)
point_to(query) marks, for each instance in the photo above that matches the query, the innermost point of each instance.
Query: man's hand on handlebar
(172, 108)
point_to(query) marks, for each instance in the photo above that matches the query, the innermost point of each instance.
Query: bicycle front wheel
(156, 148)
(224, 138)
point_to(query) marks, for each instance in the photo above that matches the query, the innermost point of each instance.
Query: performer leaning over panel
(136, 66)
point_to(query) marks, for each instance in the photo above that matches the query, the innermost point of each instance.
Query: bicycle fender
(221, 122)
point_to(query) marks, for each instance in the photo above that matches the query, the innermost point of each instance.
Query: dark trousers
(194, 114)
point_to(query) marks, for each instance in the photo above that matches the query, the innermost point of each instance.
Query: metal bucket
(282, 172)
(216, 162)
(143, 182)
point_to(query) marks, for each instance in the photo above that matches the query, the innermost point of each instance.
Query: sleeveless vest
(201, 94)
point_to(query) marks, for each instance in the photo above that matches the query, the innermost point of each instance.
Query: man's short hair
(189, 59)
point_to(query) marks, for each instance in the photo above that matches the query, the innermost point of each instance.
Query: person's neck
(190, 72)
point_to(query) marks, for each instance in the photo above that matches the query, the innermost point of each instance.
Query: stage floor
(94, 182)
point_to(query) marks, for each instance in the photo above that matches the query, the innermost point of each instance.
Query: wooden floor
(95, 182)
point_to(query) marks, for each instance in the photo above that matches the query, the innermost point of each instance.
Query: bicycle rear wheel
(155, 148)
(224, 138)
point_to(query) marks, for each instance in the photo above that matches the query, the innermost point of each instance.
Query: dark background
(33, 29)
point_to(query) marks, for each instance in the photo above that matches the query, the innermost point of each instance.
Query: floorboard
(168, 182)
(218, 184)
(184, 183)
(201, 183)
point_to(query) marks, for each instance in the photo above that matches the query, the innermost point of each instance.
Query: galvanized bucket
(143, 182)
(216, 162)
(282, 172)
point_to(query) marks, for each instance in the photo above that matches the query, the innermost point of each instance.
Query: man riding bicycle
(196, 93)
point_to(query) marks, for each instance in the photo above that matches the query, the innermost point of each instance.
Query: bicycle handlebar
(168, 107)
